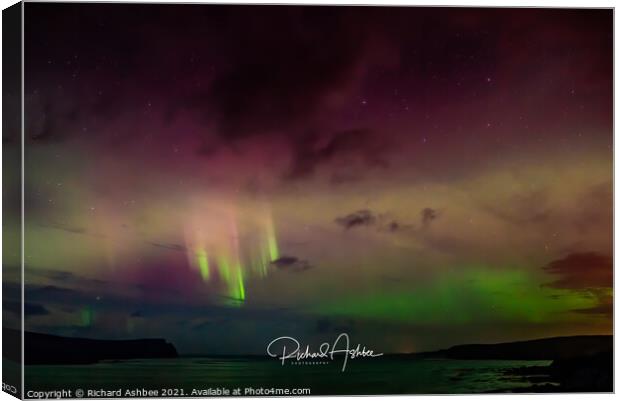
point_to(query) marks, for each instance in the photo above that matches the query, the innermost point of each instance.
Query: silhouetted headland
(592, 373)
(45, 349)
(541, 349)
(580, 363)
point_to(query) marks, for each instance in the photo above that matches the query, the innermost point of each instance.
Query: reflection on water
(378, 376)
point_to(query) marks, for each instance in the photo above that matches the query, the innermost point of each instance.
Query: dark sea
(202, 376)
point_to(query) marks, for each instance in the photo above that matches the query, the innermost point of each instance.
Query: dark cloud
(291, 263)
(35, 310)
(428, 215)
(65, 278)
(589, 273)
(581, 271)
(83, 231)
(172, 247)
(394, 226)
(51, 292)
(360, 218)
(382, 222)
(30, 309)
(72, 229)
(605, 308)
(72, 301)
(65, 227)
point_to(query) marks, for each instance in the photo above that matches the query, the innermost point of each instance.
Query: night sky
(224, 175)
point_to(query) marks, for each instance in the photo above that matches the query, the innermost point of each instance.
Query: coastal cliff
(41, 349)
(580, 363)
(554, 348)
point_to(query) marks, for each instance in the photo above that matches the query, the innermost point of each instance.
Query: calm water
(376, 376)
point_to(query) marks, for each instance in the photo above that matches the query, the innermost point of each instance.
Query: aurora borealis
(224, 175)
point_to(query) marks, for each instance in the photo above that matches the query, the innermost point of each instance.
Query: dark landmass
(45, 349)
(592, 373)
(580, 363)
(542, 349)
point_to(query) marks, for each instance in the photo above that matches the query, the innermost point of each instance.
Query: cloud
(72, 229)
(291, 263)
(172, 247)
(51, 292)
(394, 226)
(383, 222)
(428, 215)
(360, 218)
(35, 310)
(580, 271)
(136, 306)
(67, 278)
(605, 308)
(30, 309)
(65, 227)
(83, 231)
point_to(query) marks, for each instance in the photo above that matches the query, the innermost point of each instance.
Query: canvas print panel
(209, 188)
